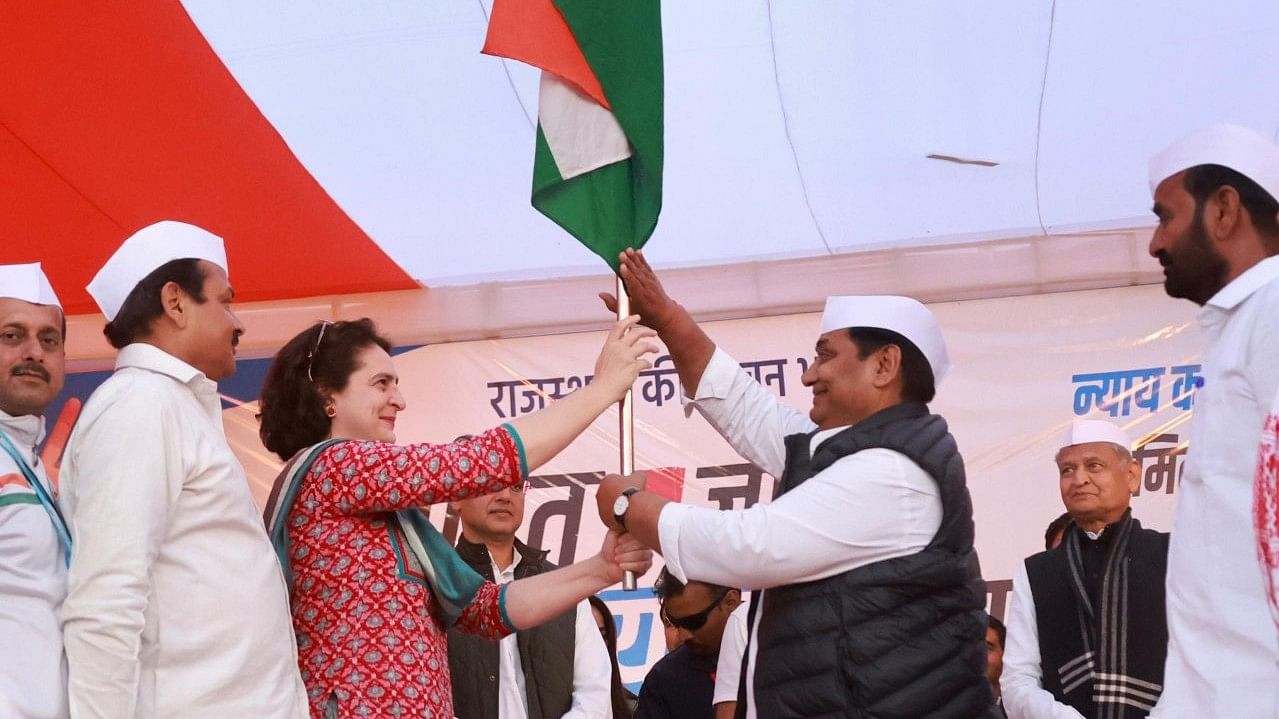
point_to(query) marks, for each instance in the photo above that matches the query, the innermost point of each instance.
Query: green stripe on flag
(615, 206)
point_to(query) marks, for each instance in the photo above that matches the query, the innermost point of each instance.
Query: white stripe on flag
(582, 135)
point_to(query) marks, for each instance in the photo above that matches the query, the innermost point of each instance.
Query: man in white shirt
(558, 669)
(34, 540)
(728, 668)
(872, 600)
(1215, 196)
(175, 604)
(1086, 630)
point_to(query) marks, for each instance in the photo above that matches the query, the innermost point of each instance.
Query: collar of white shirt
(505, 576)
(822, 436)
(150, 357)
(1242, 287)
(25, 431)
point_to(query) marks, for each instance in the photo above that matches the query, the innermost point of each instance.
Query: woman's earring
(331, 411)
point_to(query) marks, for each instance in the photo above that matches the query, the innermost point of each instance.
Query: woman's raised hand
(624, 355)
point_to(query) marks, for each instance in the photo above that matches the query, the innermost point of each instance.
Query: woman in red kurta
(370, 626)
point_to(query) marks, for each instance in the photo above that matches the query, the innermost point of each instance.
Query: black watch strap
(621, 518)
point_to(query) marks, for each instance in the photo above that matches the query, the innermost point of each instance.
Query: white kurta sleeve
(745, 413)
(1021, 681)
(128, 474)
(866, 507)
(728, 671)
(592, 670)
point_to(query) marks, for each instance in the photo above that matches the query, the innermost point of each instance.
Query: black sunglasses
(693, 622)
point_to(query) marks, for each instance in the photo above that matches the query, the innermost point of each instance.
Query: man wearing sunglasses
(557, 669)
(872, 602)
(682, 684)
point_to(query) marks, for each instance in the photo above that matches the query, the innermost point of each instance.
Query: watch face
(620, 505)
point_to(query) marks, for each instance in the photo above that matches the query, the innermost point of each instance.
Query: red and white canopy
(363, 147)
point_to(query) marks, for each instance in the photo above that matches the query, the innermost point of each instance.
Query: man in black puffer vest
(563, 667)
(873, 599)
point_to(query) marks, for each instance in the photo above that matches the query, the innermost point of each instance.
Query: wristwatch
(621, 504)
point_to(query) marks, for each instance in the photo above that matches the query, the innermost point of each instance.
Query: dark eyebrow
(1159, 210)
(821, 344)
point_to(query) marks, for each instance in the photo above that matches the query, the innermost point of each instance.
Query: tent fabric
(351, 148)
(793, 129)
(117, 115)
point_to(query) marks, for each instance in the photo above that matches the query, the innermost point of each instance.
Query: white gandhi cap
(27, 283)
(903, 315)
(1084, 431)
(1249, 153)
(144, 253)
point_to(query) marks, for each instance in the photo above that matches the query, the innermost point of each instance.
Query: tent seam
(507, 71)
(60, 176)
(781, 103)
(1039, 114)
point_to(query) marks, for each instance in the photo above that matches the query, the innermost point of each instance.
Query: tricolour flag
(597, 169)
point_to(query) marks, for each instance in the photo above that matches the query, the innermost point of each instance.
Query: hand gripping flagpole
(626, 420)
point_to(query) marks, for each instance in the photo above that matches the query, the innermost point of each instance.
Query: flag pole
(626, 419)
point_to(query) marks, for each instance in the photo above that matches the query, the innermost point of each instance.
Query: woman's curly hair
(317, 362)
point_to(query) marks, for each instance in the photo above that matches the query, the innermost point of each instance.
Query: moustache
(1164, 258)
(30, 368)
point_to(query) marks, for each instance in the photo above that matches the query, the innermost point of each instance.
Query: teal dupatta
(452, 581)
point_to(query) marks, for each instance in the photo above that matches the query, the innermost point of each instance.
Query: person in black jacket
(1087, 629)
(558, 669)
(872, 602)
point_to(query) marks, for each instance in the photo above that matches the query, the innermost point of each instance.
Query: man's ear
(1223, 213)
(888, 365)
(1134, 475)
(174, 303)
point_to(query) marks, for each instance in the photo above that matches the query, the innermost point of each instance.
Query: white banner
(1024, 368)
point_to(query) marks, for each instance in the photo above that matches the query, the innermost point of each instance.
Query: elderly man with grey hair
(1087, 633)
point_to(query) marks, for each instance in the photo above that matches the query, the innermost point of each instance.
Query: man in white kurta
(867, 507)
(176, 606)
(1223, 651)
(872, 509)
(33, 552)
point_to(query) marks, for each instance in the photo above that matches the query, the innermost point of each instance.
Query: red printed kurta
(368, 634)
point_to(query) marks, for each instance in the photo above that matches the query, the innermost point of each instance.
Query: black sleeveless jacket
(902, 637)
(546, 651)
